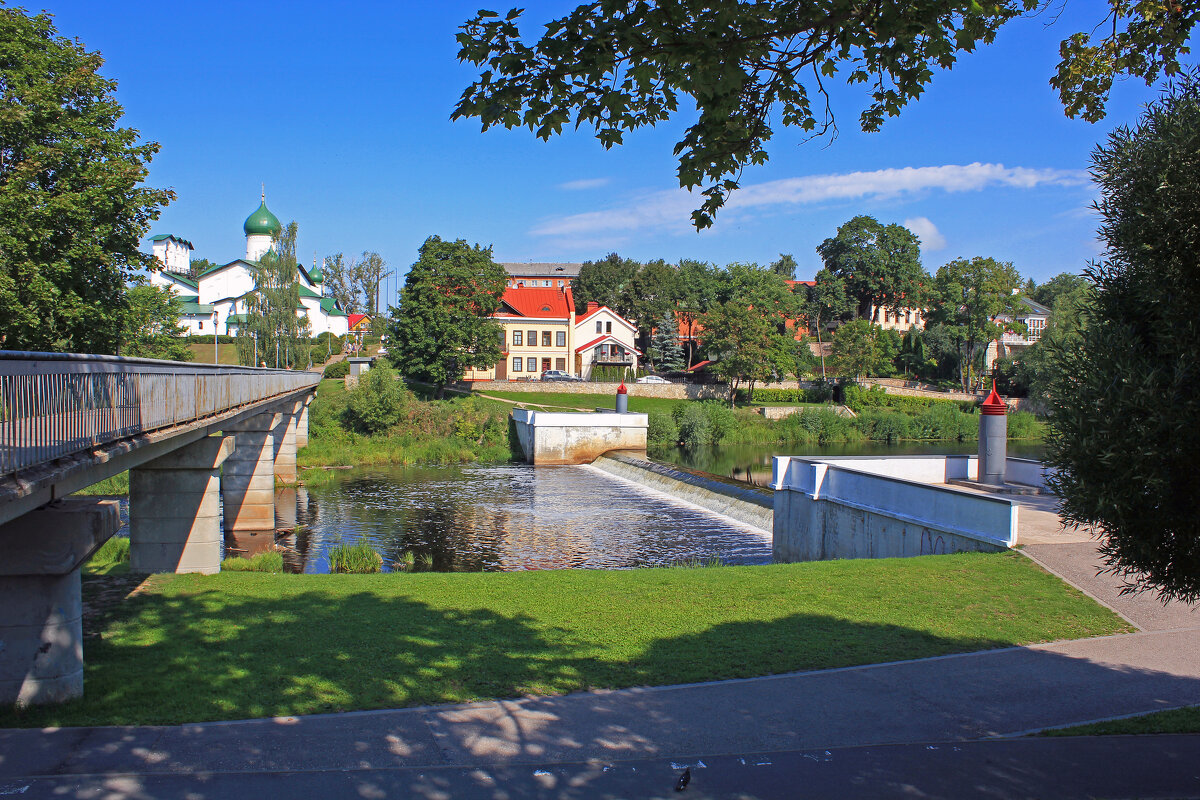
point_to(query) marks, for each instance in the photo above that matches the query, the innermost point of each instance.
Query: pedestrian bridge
(195, 438)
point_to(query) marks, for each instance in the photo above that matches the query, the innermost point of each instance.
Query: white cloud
(931, 238)
(672, 209)
(584, 183)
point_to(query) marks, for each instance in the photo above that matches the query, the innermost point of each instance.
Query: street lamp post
(215, 359)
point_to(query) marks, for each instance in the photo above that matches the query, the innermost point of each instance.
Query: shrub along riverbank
(188, 648)
(381, 421)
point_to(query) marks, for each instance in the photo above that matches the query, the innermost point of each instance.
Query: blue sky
(343, 112)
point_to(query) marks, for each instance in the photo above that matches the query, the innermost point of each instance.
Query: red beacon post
(622, 399)
(993, 439)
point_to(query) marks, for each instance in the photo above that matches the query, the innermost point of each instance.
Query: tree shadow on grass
(195, 651)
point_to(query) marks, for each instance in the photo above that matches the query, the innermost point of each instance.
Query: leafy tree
(1063, 283)
(859, 350)
(912, 358)
(72, 210)
(198, 266)
(152, 327)
(969, 295)
(1038, 367)
(665, 352)
(603, 282)
(880, 264)
(650, 292)
(785, 267)
(825, 301)
(368, 273)
(746, 345)
(340, 282)
(1123, 437)
(443, 324)
(699, 284)
(616, 67)
(273, 329)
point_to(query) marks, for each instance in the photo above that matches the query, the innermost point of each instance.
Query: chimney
(592, 306)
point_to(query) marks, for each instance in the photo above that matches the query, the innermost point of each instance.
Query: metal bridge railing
(56, 404)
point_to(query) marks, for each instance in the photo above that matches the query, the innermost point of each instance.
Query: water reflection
(752, 462)
(511, 517)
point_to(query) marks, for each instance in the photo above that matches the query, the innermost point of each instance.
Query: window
(201, 326)
(503, 341)
(599, 326)
(532, 338)
(517, 340)
(517, 364)
(560, 284)
(560, 363)
(608, 327)
(532, 364)
(560, 338)
(545, 338)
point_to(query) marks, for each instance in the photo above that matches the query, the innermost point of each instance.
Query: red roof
(355, 319)
(602, 338)
(528, 301)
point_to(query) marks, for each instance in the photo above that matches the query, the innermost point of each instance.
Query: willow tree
(274, 327)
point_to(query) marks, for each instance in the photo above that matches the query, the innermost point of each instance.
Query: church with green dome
(217, 298)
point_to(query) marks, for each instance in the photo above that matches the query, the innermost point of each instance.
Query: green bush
(823, 425)
(885, 425)
(358, 558)
(693, 425)
(817, 394)
(270, 561)
(338, 369)
(721, 420)
(1023, 425)
(945, 421)
(661, 429)
(378, 401)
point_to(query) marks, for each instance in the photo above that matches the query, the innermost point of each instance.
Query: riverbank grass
(238, 645)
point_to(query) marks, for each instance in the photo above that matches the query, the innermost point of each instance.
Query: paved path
(887, 728)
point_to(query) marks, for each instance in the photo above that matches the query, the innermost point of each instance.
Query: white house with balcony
(217, 300)
(1034, 315)
(603, 339)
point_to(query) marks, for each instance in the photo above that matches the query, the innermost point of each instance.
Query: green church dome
(262, 222)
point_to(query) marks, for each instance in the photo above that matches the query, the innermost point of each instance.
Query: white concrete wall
(173, 255)
(826, 510)
(1026, 472)
(564, 438)
(256, 245)
(232, 282)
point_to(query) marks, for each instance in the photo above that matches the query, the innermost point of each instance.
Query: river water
(508, 517)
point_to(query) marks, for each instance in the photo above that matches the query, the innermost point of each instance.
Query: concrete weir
(745, 504)
(576, 438)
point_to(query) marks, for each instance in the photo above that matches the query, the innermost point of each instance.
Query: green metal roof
(237, 319)
(329, 306)
(306, 292)
(162, 236)
(181, 278)
(188, 298)
(262, 222)
(197, 309)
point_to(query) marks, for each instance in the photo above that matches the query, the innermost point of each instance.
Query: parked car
(652, 379)
(560, 375)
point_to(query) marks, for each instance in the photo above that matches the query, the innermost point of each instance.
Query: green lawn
(584, 401)
(238, 645)
(203, 353)
(1179, 720)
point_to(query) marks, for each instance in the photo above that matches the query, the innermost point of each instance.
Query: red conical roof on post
(993, 405)
(621, 389)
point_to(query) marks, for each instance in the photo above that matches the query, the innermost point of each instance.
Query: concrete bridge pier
(41, 610)
(302, 422)
(248, 479)
(286, 435)
(174, 509)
